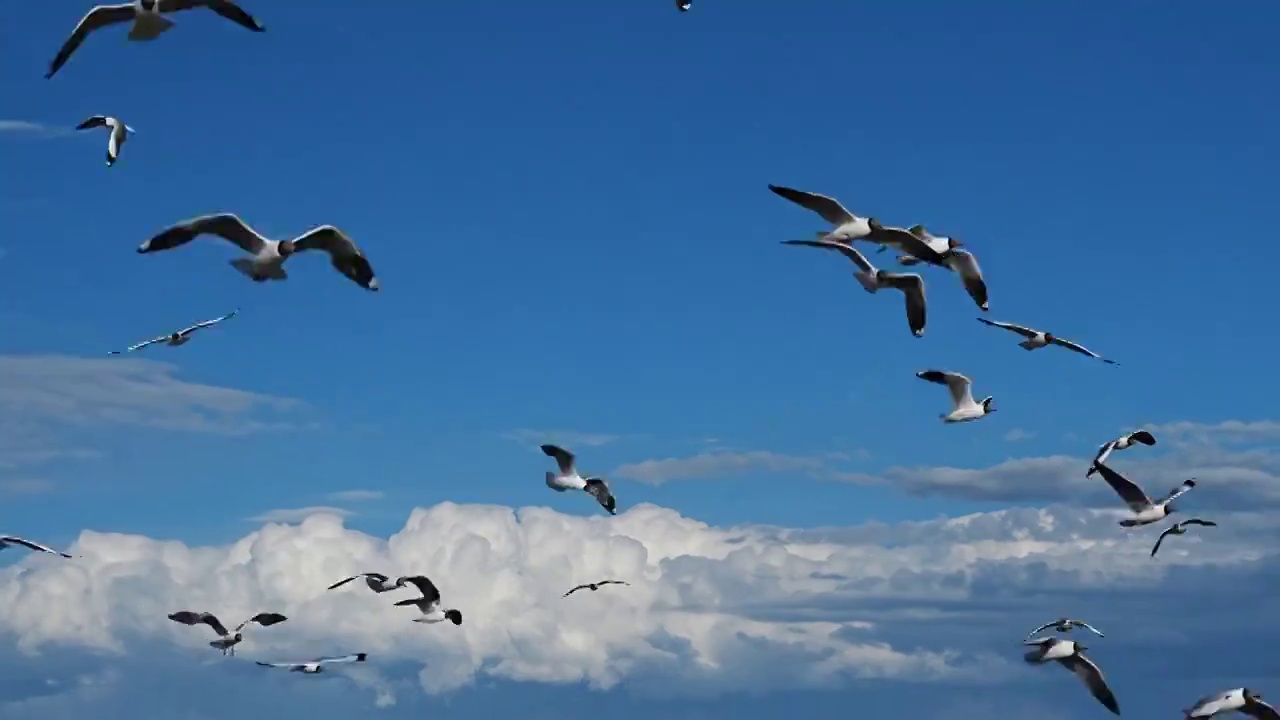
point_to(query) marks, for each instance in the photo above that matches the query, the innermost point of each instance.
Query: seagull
(119, 133)
(377, 582)
(961, 389)
(268, 258)
(429, 603)
(1179, 528)
(569, 479)
(962, 262)
(1071, 655)
(181, 337)
(1063, 625)
(596, 586)
(1104, 452)
(148, 21)
(1145, 511)
(1242, 699)
(1036, 339)
(10, 540)
(911, 285)
(849, 227)
(226, 641)
(317, 665)
(684, 5)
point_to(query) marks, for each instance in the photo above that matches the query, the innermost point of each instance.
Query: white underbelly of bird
(565, 482)
(1146, 517)
(149, 26)
(261, 269)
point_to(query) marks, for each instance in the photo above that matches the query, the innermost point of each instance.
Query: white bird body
(147, 22)
(1145, 510)
(965, 408)
(267, 256)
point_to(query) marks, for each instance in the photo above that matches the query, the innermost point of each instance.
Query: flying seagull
(684, 5)
(1145, 510)
(848, 227)
(596, 586)
(148, 21)
(317, 665)
(1063, 625)
(10, 540)
(961, 262)
(226, 641)
(377, 582)
(1179, 528)
(429, 603)
(963, 406)
(1036, 339)
(175, 339)
(569, 479)
(115, 140)
(1242, 699)
(1071, 655)
(269, 256)
(911, 285)
(1138, 436)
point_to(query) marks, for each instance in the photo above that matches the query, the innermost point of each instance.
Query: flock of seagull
(916, 247)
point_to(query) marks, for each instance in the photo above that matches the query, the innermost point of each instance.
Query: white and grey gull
(596, 586)
(1141, 437)
(180, 337)
(1064, 625)
(315, 666)
(964, 407)
(429, 603)
(115, 139)
(961, 262)
(1239, 699)
(568, 478)
(1036, 339)
(269, 256)
(1180, 528)
(226, 641)
(1145, 510)
(376, 582)
(148, 21)
(1070, 654)
(873, 279)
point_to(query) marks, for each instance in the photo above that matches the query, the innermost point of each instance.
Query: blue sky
(567, 207)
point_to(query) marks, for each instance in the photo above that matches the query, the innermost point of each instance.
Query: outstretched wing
(564, 458)
(95, 121)
(346, 257)
(1104, 452)
(352, 658)
(576, 589)
(912, 287)
(966, 265)
(225, 8)
(961, 387)
(225, 225)
(264, 619)
(1041, 629)
(829, 208)
(600, 491)
(613, 582)
(429, 591)
(1198, 521)
(1132, 495)
(340, 583)
(1160, 539)
(1142, 436)
(1184, 487)
(187, 617)
(140, 345)
(207, 323)
(847, 250)
(1077, 347)
(1087, 626)
(100, 16)
(11, 540)
(1084, 669)
(1023, 331)
(1260, 710)
(288, 666)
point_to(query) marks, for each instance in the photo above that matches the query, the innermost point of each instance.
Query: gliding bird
(1179, 528)
(429, 603)
(1138, 436)
(1070, 654)
(226, 641)
(569, 479)
(148, 21)
(596, 586)
(911, 285)
(1036, 339)
(1145, 510)
(1064, 625)
(961, 387)
(317, 665)
(961, 262)
(1240, 699)
(115, 140)
(181, 337)
(377, 582)
(269, 256)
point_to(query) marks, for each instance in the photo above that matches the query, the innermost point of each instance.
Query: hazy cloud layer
(568, 439)
(722, 463)
(31, 129)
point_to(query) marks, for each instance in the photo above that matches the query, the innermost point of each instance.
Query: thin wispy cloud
(565, 438)
(292, 516)
(26, 486)
(356, 495)
(722, 463)
(1018, 435)
(26, 128)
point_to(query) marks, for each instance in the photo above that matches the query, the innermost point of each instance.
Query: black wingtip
(360, 657)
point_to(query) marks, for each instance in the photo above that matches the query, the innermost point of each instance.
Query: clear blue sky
(566, 204)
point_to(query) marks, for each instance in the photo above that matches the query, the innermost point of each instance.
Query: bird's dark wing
(1133, 495)
(829, 208)
(597, 488)
(225, 8)
(1160, 539)
(1025, 332)
(266, 619)
(100, 16)
(1041, 628)
(580, 587)
(428, 589)
(95, 121)
(912, 287)
(187, 617)
(1260, 710)
(564, 458)
(1077, 347)
(340, 583)
(225, 225)
(1198, 521)
(1142, 436)
(1092, 677)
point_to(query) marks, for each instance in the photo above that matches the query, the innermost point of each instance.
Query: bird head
(874, 224)
(174, 336)
(287, 248)
(454, 616)
(953, 243)
(986, 404)
(1080, 648)
(1048, 337)
(1251, 695)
